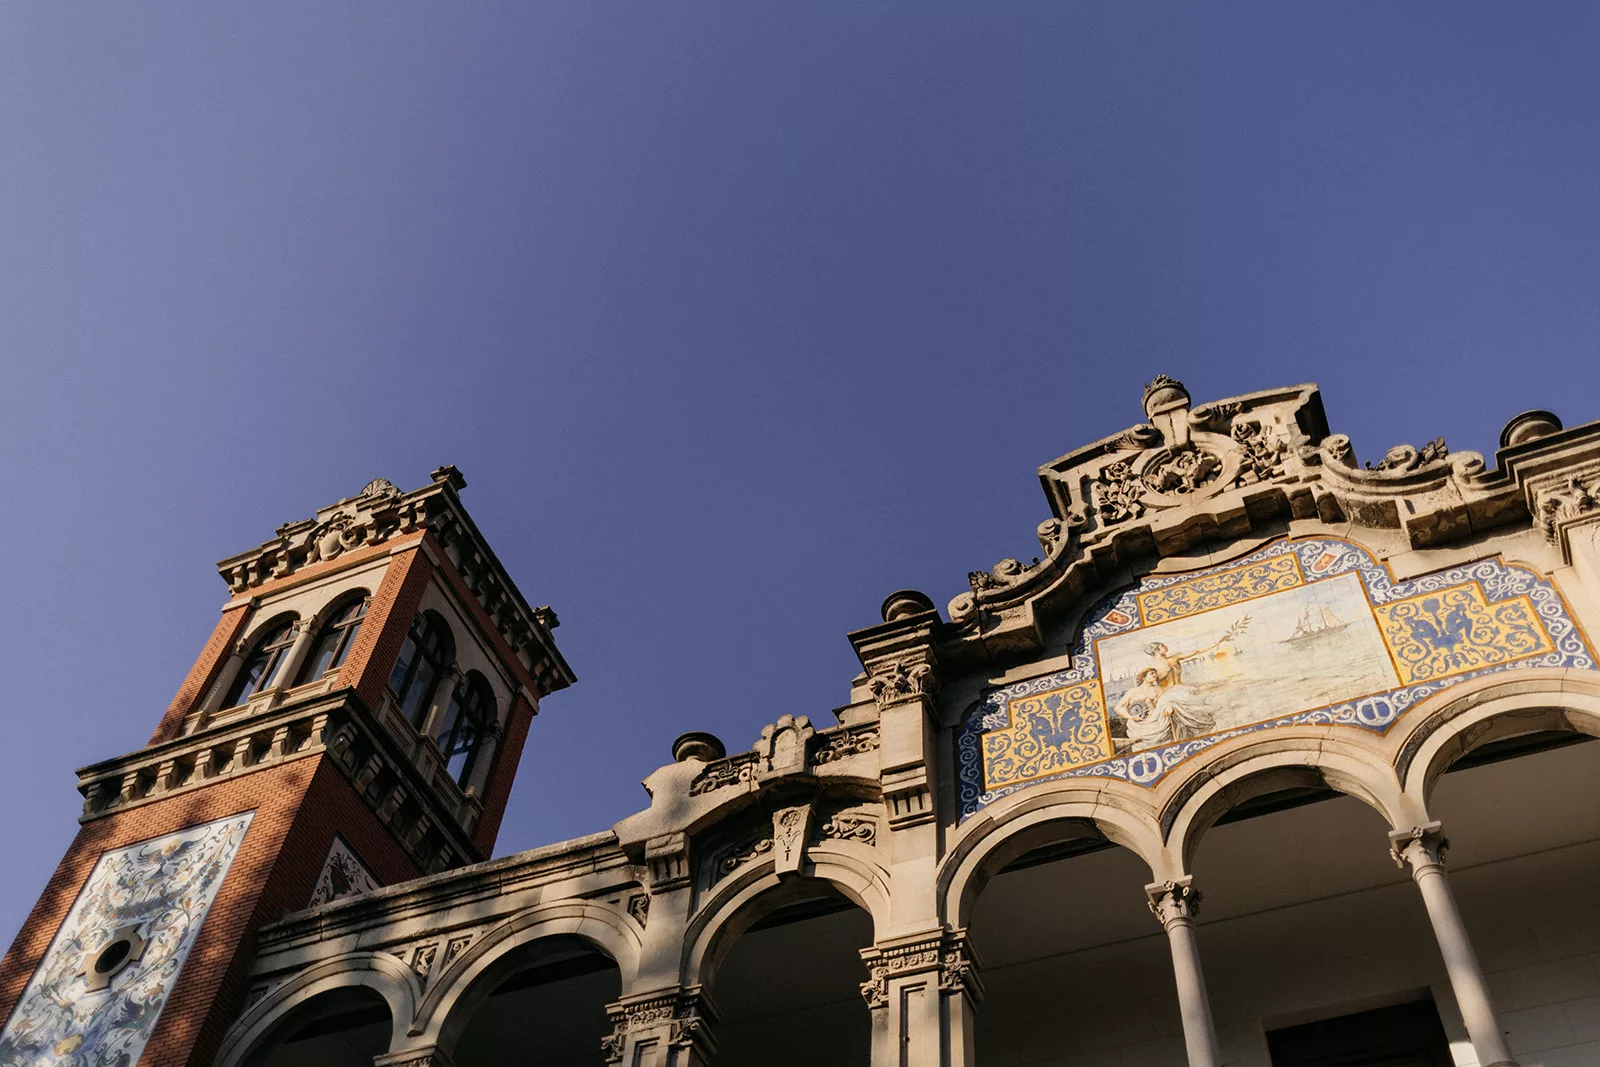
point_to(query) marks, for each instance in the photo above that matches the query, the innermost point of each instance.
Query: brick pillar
(204, 672)
(389, 616)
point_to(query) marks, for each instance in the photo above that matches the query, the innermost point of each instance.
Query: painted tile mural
(1309, 631)
(96, 995)
(343, 875)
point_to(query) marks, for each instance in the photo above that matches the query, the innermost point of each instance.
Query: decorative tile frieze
(1141, 696)
(97, 993)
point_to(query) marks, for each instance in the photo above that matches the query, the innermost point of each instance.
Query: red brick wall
(204, 671)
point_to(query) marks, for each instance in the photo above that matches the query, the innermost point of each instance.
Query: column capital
(432, 1056)
(1422, 847)
(947, 952)
(1174, 901)
(680, 1018)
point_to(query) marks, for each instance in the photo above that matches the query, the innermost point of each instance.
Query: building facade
(1242, 663)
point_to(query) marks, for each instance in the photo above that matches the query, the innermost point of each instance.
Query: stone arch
(452, 998)
(1266, 762)
(742, 899)
(1452, 723)
(1041, 815)
(392, 979)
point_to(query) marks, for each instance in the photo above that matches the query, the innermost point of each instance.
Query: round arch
(745, 897)
(1045, 814)
(448, 1006)
(1452, 723)
(1255, 765)
(392, 979)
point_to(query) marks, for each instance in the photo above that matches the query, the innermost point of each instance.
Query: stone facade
(1230, 618)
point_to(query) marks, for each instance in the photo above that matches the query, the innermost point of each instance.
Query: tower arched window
(466, 722)
(424, 659)
(334, 641)
(264, 663)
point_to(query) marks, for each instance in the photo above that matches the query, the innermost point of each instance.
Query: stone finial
(1529, 426)
(697, 744)
(1163, 393)
(904, 603)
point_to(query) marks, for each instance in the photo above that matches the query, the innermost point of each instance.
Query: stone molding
(424, 1057)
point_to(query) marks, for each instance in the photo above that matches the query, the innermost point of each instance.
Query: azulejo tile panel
(96, 995)
(1306, 631)
(1219, 589)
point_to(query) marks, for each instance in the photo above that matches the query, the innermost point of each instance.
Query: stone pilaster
(1423, 849)
(1177, 903)
(668, 1028)
(920, 988)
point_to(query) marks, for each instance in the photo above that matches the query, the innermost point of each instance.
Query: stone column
(1423, 848)
(304, 631)
(667, 1028)
(1176, 903)
(921, 988)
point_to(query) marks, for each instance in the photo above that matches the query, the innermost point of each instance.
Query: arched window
(423, 660)
(333, 643)
(263, 665)
(465, 723)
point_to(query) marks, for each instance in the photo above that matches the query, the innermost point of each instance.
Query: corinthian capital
(1421, 847)
(899, 681)
(1174, 901)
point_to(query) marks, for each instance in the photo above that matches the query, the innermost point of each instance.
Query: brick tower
(354, 721)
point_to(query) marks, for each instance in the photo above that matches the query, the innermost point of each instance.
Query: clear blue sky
(736, 317)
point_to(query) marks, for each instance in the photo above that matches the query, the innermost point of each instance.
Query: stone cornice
(477, 889)
(432, 830)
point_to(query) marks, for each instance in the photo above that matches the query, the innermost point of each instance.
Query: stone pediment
(1246, 467)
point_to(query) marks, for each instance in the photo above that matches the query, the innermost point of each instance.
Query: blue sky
(736, 317)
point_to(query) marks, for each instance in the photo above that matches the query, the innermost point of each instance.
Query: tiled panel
(1307, 631)
(97, 993)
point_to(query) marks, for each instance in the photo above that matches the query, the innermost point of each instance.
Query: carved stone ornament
(946, 953)
(682, 1017)
(639, 908)
(1563, 503)
(849, 826)
(782, 745)
(898, 682)
(845, 743)
(790, 827)
(1174, 901)
(1403, 458)
(724, 772)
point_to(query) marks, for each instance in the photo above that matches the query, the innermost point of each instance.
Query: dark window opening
(1406, 1035)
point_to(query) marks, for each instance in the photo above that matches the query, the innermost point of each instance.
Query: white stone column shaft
(1423, 848)
(304, 631)
(1176, 904)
